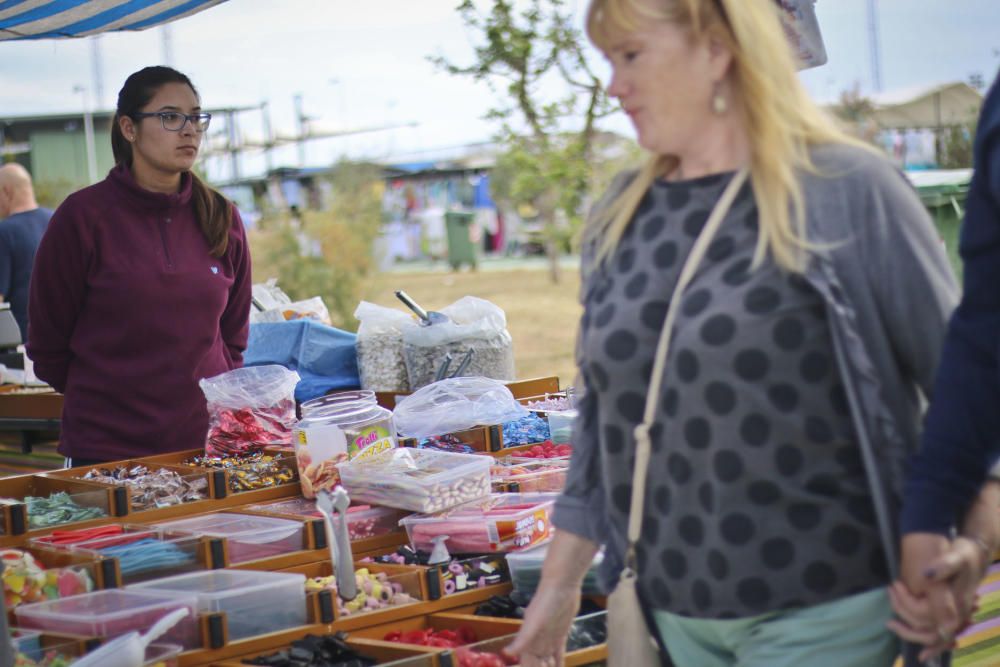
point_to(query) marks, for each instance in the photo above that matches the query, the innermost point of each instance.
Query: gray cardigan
(888, 289)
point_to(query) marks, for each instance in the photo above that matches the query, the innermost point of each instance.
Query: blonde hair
(781, 120)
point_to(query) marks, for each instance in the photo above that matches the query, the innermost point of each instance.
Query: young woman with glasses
(141, 285)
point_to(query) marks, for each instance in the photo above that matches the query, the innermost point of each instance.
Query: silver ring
(946, 637)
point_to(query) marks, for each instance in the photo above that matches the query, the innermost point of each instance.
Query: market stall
(443, 540)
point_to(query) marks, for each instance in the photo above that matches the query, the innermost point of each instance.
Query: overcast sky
(362, 63)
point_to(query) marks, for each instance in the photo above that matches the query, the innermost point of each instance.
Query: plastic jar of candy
(332, 402)
(339, 432)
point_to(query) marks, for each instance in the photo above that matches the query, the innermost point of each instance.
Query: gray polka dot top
(756, 499)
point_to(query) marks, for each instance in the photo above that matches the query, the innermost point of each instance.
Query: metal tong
(442, 372)
(338, 539)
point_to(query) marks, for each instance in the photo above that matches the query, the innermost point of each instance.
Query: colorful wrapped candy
(375, 591)
(26, 580)
(249, 408)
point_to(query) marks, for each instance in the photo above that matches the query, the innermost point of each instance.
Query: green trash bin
(461, 249)
(943, 194)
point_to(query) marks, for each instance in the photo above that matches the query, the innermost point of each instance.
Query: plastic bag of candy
(249, 408)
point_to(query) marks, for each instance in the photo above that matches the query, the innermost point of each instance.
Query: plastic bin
(537, 476)
(561, 425)
(420, 480)
(505, 522)
(162, 655)
(255, 602)
(363, 521)
(526, 571)
(111, 613)
(461, 249)
(143, 552)
(248, 537)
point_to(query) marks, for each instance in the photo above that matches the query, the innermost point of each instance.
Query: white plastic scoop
(129, 650)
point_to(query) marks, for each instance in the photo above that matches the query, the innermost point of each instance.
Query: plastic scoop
(427, 317)
(439, 554)
(129, 650)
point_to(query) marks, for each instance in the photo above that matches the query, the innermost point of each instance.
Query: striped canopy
(49, 19)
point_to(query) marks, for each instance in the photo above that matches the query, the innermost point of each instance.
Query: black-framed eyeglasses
(174, 121)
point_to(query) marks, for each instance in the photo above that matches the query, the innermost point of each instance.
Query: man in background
(22, 223)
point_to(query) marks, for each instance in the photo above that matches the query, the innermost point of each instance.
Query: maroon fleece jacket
(128, 310)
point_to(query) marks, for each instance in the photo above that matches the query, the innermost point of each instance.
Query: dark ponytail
(213, 211)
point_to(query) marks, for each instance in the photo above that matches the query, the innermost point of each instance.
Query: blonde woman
(790, 393)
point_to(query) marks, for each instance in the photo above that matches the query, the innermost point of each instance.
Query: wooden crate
(365, 546)
(435, 580)
(519, 388)
(383, 652)
(17, 526)
(188, 473)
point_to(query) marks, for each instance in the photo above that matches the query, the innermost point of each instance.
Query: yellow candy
(15, 582)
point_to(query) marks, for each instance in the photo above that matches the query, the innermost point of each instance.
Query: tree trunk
(552, 252)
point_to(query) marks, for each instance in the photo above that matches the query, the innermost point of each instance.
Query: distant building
(54, 149)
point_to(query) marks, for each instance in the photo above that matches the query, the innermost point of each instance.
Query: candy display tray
(533, 476)
(597, 653)
(195, 551)
(501, 523)
(526, 571)
(34, 645)
(247, 537)
(484, 627)
(85, 494)
(124, 502)
(381, 523)
(481, 439)
(434, 580)
(519, 389)
(110, 613)
(420, 480)
(255, 603)
(222, 478)
(102, 571)
(387, 655)
(411, 581)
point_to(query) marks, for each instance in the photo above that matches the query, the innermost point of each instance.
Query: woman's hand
(542, 639)
(937, 596)
(541, 642)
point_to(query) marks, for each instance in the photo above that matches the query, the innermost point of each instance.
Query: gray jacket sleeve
(908, 269)
(580, 507)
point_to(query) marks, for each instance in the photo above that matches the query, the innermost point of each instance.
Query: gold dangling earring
(719, 104)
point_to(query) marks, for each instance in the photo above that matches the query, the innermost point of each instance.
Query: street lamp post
(88, 135)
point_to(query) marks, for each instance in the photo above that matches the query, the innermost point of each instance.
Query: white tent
(933, 106)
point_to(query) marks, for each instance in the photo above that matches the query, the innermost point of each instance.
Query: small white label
(323, 440)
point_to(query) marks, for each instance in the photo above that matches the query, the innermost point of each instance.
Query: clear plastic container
(561, 425)
(162, 655)
(545, 476)
(249, 537)
(363, 521)
(347, 430)
(420, 480)
(318, 406)
(27, 643)
(505, 522)
(255, 602)
(526, 571)
(143, 552)
(110, 613)
(77, 506)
